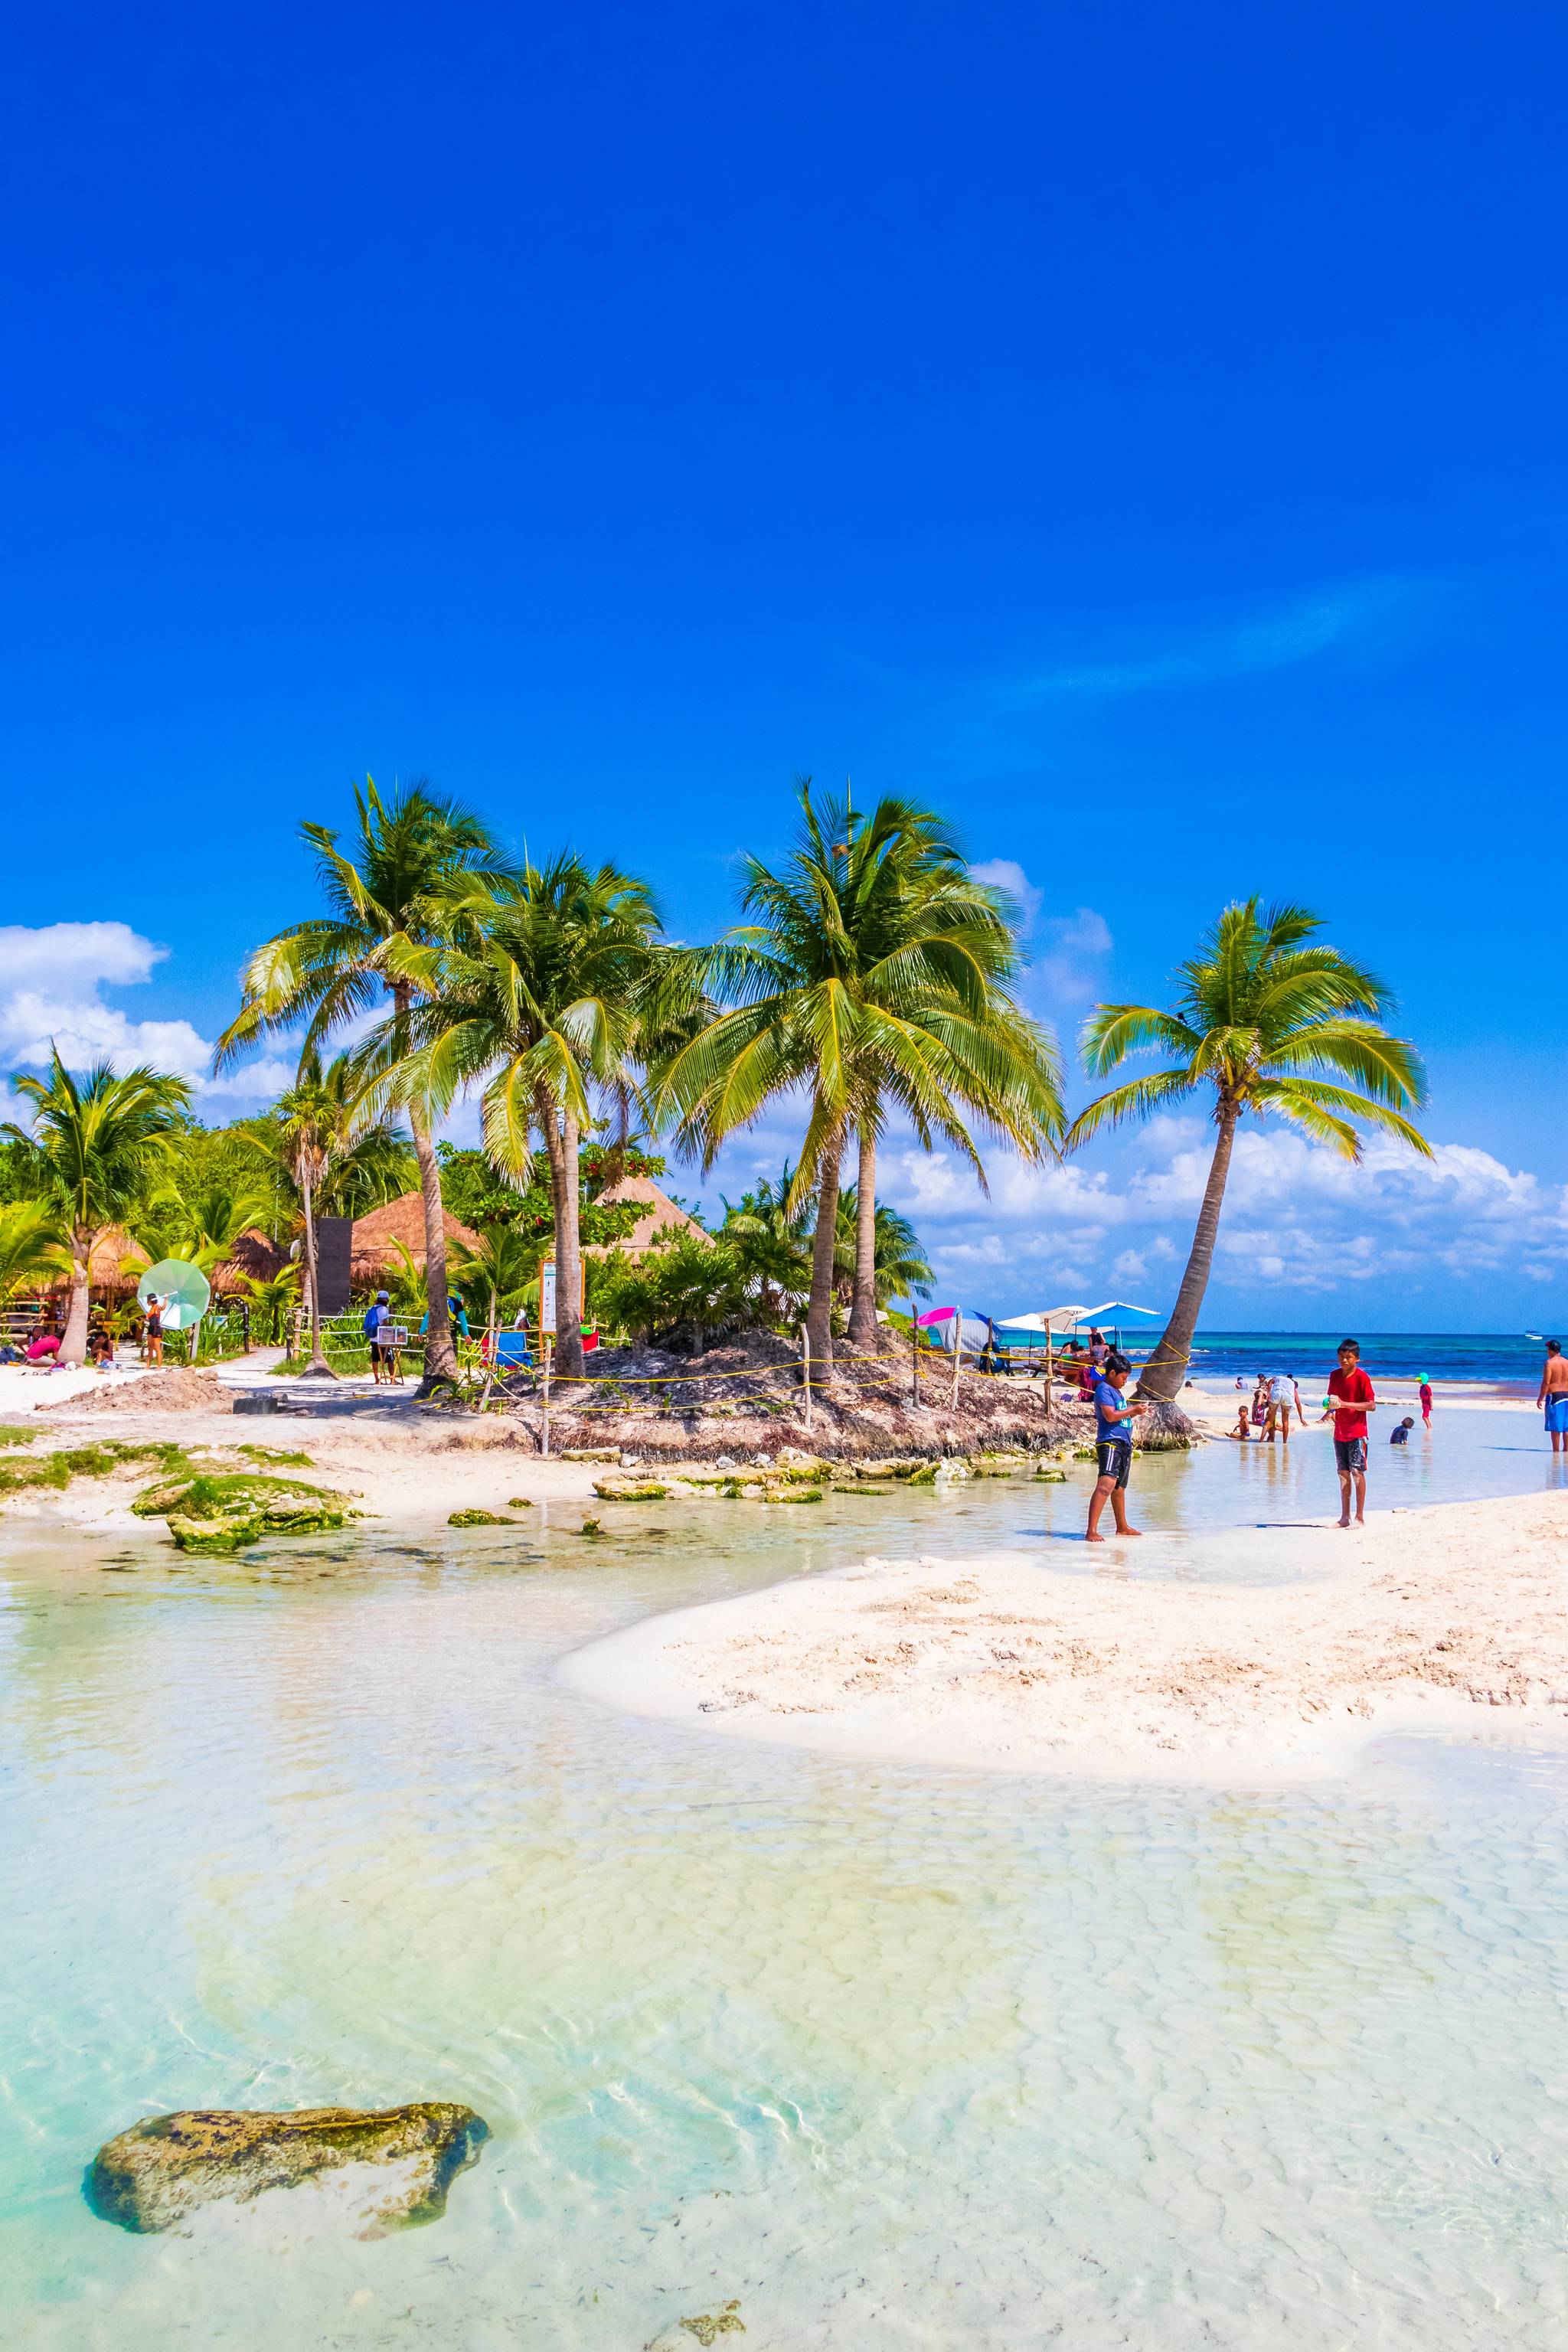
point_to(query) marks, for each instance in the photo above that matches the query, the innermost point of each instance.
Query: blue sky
(1138, 434)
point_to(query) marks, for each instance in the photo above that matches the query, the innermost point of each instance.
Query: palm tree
(898, 1267)
(771, 1242)
(379, 896)
(504, 1263)
(543, 991)
(316, 1122)
(91, 1152)
(272, 1298)
(876, 972)
(1276, 1024)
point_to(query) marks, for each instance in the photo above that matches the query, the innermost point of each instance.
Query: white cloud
(52, 980)
(1307, 627)
(1006, 873)
(1070, 968)
(1298, 1219)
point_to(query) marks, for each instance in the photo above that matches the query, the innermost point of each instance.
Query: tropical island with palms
(557, 1322)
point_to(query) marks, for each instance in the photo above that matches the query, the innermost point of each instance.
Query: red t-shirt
(1353, 1388)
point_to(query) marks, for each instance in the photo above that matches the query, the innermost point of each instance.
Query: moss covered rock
(159, 2172)
(218, 1513)
(630, 1490)
(479, 1520)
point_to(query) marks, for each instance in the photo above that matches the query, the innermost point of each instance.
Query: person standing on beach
(1353, 1399)
(1424, 1398)
(1114, 1448)
(1283, 1393)
(153, 1330)
(1554, 1394)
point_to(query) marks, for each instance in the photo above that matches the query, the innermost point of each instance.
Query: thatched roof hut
(662, 1217)
(376, 1237)
(253, 1258)
(117, 1262)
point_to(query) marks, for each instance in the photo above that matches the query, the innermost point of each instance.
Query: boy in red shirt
(1353, 1397)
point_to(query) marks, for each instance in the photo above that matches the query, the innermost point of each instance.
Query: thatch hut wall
(661, 1217)
(376, 1238)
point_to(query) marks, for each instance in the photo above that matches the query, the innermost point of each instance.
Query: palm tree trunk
(565, 1222)
(440, 1350)
(819, 1311)
(73, 1347)
(569, 1256)
(1161, 1378)
(317, 1368)
(864, 1328)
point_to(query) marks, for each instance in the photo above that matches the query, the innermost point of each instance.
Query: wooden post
(914, 1357)
(1047, 1370)
(544, 1344)
(805, 1368)
(957, 1348)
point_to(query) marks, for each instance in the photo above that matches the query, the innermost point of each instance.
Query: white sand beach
(1450, 1619)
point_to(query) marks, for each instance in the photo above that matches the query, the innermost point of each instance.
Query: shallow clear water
(894, 2058)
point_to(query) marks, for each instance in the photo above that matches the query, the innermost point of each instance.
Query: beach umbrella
(181, 1288)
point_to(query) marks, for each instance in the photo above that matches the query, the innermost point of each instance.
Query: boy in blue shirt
(1113, 1418)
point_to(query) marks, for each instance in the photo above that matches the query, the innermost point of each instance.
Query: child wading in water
(1114, 1448)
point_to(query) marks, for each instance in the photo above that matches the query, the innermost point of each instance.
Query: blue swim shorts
(1557, 1414)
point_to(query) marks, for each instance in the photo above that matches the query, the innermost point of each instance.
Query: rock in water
(159, 2172)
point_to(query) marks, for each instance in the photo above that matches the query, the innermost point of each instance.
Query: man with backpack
(377, 1318)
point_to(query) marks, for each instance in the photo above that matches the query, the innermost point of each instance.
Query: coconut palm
(1273, 1022)
(542, 993)
(875, 974)
(771, 1242)
(91, 1153)
(317, 1122)
(31, 1246)
(898, 1267)
(504, 1263)
(323, 972)
(272, 1298)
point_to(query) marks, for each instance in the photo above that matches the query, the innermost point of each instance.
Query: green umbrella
(180, 1289)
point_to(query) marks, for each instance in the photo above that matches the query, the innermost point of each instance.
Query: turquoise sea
(1511, 1361)
(885, 2057)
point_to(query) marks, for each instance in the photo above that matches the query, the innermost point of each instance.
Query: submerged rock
(219, 1513)
(479, 1520)
(161, 2172)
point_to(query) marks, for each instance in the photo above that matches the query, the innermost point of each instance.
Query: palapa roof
(253, 1258)
(376, 1237)
(661, 1216)
(114, 1245)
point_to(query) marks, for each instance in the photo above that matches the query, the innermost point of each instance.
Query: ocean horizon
(1510, 1358)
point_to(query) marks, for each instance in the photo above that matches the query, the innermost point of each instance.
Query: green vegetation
(94, 1150)
(56, 1471)
(1269, 1020)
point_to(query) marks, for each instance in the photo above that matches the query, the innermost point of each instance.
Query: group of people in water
(1350, 1398)
(1276, 1400)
